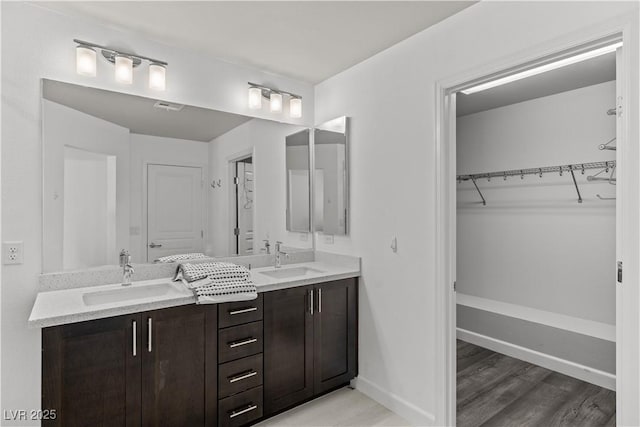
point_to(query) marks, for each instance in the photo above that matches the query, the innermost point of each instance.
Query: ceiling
(139, 115)
(587, 73)
(307, 40)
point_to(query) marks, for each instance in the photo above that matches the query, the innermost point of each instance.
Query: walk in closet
(536, 248)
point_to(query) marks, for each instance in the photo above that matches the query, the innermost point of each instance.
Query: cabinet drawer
(237, 313)
(239, 341)
(240, 409)
(239, 375)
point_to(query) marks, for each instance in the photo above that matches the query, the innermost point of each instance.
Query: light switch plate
(328, 239)
(12, 252)
(304, 237)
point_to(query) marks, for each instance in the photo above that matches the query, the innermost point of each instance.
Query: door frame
(231, 212)
(144, 222)
(628, 215)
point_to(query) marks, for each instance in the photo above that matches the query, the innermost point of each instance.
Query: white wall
(167, 151)
(533, 245)
(266, 141)
(36, 44)
(63, 126)
(391, 100)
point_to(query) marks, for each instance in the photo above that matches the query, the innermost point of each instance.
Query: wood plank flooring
(498, 390)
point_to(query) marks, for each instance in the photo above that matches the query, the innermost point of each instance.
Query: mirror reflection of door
(174, 210)
(244, 196)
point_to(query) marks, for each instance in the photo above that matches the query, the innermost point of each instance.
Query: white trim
(572, 369)
(231, 211)
(590, 328)
(393, 402)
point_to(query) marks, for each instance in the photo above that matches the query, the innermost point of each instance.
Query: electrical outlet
(12, 252)
(328, 239)
(304, 237)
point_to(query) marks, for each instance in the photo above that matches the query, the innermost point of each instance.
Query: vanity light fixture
(275, 98)
(275, 102)
(544, 68)
(85, 61)
(124, 63)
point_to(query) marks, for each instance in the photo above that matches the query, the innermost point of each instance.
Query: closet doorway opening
(242, 205)
(532, 214)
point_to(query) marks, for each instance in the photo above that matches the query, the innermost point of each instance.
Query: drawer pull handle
(242, 376)
(235, 344)
(249, 408)
(243, 310)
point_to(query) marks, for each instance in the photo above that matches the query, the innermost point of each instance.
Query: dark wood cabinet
(175, 380)
(310, 338)
(202, 365)
(91, 373)
(335, 335)
(288, 347)
(151, 369)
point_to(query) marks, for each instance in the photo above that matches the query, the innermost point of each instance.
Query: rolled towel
(180, 257)
(232, 290)
(216, 271)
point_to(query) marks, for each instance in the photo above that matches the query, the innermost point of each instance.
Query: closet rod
(539, 171)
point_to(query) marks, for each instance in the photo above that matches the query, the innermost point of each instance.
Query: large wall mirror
(157, 179)
(331, 178)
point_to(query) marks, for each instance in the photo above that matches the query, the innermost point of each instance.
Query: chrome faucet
(267, 246)
(279, 253)
(127, 268)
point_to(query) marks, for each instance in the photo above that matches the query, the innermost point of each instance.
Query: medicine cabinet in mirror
(331, 178)
(158, 179)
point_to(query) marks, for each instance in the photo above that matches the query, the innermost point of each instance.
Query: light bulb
(295, 108)
(157, 76)
(275, 102)
(255, 98)
(85, 61)
(124, 69)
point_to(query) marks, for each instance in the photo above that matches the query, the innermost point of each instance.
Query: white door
(174, 210)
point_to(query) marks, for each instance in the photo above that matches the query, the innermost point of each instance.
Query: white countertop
(68, 305)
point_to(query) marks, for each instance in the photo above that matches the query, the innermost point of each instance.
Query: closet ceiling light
(124, 64)
(543, 68)
(85, 61)
(276, 100)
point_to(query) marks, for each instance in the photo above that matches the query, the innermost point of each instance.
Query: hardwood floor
(344, 407)
(498, 390)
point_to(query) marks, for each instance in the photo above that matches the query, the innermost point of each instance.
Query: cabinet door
(335, 334)
(288, 348)
(91, 372)
(179, 378)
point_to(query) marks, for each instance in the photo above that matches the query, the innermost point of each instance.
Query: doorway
(448, 239)
(174, 210)
(242, 208)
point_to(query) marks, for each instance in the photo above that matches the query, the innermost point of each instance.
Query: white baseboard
(603, 331)
(572, 369)
(395, 403)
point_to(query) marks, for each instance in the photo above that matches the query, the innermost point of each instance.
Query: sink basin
(285, 273)
(133, 292)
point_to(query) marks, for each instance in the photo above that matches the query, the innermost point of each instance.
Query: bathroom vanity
(224, 364)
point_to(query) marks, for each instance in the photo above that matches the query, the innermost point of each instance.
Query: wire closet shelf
(540, 171)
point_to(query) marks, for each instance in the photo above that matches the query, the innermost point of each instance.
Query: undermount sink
(285, 273)
(133, 292)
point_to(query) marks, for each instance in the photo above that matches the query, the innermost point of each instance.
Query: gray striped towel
(217, 282)
(213, 270)
(180, 257)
